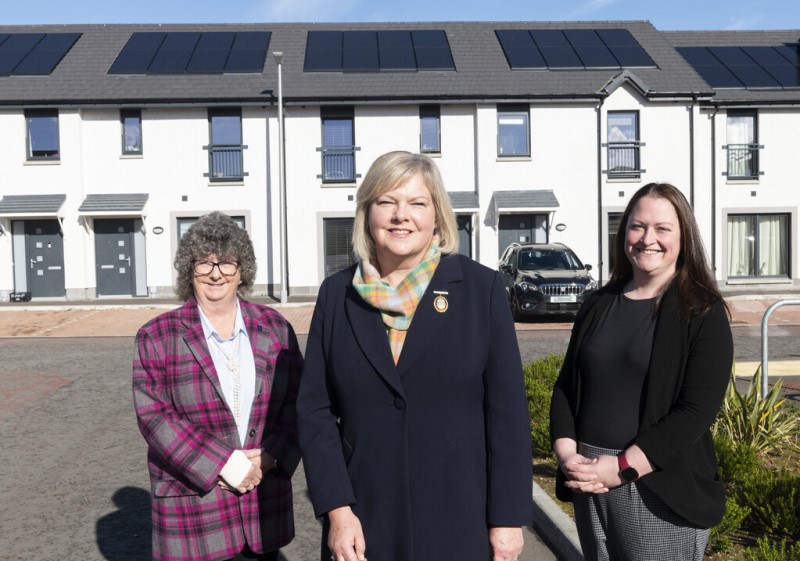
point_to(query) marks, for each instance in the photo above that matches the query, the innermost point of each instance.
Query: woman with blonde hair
(412, 412)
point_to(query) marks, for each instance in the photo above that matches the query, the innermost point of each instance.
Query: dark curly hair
(215, 233)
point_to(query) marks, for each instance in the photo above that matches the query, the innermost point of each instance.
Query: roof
(31, 205)
(523, 200)
(741, 39)
(464, 200)
(482, 71)
(113, 204)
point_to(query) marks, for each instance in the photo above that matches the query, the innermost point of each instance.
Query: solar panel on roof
(765, 56)
(138, 52)
(698, 56)
(175, 53)
(596, 57)
(731, 56)
(360, 51)
(787, 76)
(32, 54)
(192, 52)
(395, 50)
(372, 51)
(432, 50)
(3, 37)
(561, 57)
(549, 38)
(584, 37)
(719, 77)
(211, 53)
(618, 38)
(753, 76)
(572, 48)
(790, 53)
(248, 52)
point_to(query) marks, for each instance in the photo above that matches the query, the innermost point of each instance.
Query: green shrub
(540, 377)
(736, 460)
(769, 550)
(774, 499)
(762, 423)
(720, 539)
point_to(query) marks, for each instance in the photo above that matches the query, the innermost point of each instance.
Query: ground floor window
(464, 234)
(758, 245)
(338, 235)
(614, 219)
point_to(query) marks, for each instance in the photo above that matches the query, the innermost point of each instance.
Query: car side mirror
(508, 269)
(588, 267)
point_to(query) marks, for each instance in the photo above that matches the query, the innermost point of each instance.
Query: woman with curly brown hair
(214, 386)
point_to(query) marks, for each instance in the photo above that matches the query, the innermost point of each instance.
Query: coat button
(399, 403)
(252, 433)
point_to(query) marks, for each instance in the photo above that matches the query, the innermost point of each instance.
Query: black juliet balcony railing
(339, 164)
(624, 160)
(743, 161)
(225, 162)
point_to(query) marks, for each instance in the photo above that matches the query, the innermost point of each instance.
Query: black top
(614, 359)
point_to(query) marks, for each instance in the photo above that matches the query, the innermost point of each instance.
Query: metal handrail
(765, 341)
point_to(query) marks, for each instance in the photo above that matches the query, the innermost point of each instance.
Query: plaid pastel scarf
(396, 304)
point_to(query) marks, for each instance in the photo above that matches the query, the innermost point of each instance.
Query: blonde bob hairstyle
(392, 170)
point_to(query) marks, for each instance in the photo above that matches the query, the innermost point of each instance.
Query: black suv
(544, 279)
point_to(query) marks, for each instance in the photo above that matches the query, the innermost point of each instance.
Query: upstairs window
(338, 145)
(624, 159)
(225, 153)
(513, 132)
(429, 129)
(131, 120)
(42, 133)
(742, 147)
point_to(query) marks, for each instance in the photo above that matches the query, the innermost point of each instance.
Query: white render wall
(564, 159)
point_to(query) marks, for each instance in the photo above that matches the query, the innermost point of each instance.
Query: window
(338, 145)
(131, 131)
(623, 145)
(429, 129)
(338, 234)
(742, 139)
(513, 138)
(186, 222)
(225, 162)
(42, 127)
(758, 245)
(614, 220)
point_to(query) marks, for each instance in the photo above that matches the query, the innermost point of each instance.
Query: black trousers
(247, 555)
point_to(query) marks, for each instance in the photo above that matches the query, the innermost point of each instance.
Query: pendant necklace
(233, 367)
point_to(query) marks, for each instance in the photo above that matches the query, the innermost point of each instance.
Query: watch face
(629, 474)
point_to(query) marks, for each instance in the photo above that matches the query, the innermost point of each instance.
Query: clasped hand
(591, 475)
(260, 462)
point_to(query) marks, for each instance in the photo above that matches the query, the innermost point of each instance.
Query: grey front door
(45, 253)
(521, 228)
(114, 256)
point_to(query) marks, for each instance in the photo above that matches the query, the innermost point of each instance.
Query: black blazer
(689, 371)
(432, 451)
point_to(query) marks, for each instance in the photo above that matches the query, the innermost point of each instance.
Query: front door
(114, 256)
(44, 249)
(521, 228)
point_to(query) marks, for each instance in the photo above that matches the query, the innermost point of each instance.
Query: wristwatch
(627, 473)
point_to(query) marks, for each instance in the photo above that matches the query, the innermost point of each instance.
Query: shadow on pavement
(126, 534)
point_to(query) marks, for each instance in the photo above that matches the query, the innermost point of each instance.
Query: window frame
(124, 115)
(633, 146)
(512, 110)
(432, 112)
(48, 114)
(327, 221)
(750, 149)
(217, 151)
(345, 153)
(240, 220)
(756, 257)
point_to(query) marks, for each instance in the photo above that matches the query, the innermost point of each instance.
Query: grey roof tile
(12, 205)
(508, 200)
(115, 202)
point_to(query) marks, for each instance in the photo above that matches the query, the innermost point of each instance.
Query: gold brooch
(440, 303)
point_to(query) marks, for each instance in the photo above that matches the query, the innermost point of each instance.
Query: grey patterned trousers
(631, 523)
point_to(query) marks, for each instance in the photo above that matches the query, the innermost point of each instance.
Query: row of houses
(116, 138)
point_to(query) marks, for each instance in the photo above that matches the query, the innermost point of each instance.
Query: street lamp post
(282, 183)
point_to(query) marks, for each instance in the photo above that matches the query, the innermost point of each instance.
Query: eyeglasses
(227, 268)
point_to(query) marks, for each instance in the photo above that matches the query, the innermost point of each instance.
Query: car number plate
(567, 298)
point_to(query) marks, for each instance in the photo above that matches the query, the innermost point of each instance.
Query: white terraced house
(115, 138)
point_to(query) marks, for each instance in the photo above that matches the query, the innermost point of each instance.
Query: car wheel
(516, 309)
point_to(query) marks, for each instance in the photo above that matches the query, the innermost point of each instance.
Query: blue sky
(665, 15)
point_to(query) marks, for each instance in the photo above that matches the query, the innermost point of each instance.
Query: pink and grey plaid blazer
(191, 433)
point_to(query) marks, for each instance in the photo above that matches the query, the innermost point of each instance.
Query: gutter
(600, 194)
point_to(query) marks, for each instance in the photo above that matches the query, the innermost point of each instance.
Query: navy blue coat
(430, 452)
